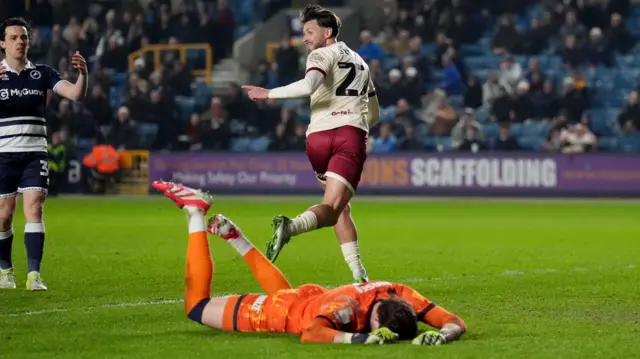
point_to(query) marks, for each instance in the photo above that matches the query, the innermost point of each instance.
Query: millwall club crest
(35, 74)
(4, 77)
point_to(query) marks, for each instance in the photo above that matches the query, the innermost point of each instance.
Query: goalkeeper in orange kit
(370, 313)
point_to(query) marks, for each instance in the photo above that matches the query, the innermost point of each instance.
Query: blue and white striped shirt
(23, 99)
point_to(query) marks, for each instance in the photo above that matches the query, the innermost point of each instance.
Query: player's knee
(5, 223)
(195, 313)
(333, 215)
(33, 208)
(347, 210)
(7, 209)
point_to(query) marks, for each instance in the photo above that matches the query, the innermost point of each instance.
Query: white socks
(305, 222)
(241, 244)
(351, 253)
(196, 220)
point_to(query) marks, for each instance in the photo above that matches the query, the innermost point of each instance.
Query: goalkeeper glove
(378, 336)
(429, 338)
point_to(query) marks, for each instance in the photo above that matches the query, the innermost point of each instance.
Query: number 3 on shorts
(45, 168)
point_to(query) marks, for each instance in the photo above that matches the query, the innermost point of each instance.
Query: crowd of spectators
(434, 91)
(122, 103)
(425, 83)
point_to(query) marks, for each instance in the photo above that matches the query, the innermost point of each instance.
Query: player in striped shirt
(24, 164)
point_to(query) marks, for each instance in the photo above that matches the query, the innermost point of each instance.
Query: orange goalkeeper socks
(199, 268)
(266, 273)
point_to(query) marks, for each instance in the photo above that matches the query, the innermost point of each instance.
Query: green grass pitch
(532, 280)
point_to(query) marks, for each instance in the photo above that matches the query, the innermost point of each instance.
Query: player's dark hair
(325, 18)
(399, 317)
(14, 21)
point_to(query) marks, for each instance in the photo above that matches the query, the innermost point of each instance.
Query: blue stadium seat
(240, 144)
(389, 63)
(522, 60)
(626, 60)
(186, 105)
(477, 62)
(148, 133)
(629, 143)
(535, 129)
(481, 74)
(516, 130)
(608, 144)
(457, 101)
(491, 130)
(428, 49)
(237, 127)
(202, 95)
(440, 144)
(485, 41)
(85, 145)
(118, 78)
(602, 126)
(387, 114)
(243, 30)
(437, 76)
(482, 115)
(259, 144)
(522, 24)
(45, 35)
(116, 94)
(292, 103)
(531, 143)
(196, 58)
(422, 130)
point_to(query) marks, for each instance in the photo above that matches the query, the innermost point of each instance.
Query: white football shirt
(343, 97)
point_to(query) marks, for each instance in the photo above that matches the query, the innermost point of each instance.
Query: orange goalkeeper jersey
(347, 307)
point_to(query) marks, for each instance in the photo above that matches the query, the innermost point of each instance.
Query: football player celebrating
(344, 106)
(368, 313)
(24, 163)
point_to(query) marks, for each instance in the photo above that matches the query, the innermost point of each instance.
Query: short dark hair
(14, 21)
(325, 17)
(398, 316)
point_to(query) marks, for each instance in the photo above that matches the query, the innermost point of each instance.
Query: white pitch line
(509, 273)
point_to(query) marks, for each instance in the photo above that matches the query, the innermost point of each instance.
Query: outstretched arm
(303, 88)
(77, 91)
(318, 64)
(323, 330)
(450, 326)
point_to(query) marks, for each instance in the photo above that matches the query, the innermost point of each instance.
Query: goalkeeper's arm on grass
(322, 330)
(450, 326)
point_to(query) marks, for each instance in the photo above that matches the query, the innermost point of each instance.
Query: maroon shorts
(338, 153)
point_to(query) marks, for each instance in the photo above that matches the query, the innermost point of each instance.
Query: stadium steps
(223, 75)
(130, 186)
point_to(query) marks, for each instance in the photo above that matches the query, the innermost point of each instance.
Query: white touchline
(406, 280)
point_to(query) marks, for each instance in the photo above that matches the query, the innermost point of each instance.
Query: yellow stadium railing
(134, 165)
(158, 49)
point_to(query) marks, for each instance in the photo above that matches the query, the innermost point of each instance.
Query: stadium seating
(608, 87)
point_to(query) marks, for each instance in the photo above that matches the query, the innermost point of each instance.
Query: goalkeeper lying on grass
(368, 313)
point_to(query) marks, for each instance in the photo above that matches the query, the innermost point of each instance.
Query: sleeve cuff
(57, 86)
